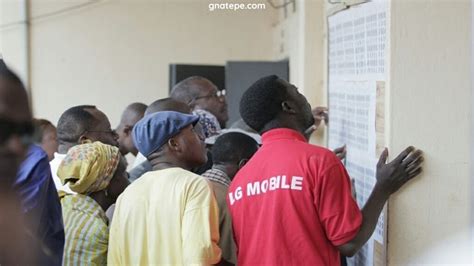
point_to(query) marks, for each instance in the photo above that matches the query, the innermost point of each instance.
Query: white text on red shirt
(270, 184)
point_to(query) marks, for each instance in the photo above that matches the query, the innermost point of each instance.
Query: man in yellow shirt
(169, 215)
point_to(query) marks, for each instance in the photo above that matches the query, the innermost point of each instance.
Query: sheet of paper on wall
(352, 107)
(363, 170)
(357, 39)
(357, 42)
(379, 229)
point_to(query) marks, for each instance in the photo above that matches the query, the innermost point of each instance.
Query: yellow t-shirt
(167, 216)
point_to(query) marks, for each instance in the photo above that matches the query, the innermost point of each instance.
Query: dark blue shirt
(40, 203)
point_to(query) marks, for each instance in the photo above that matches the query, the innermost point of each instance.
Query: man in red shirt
(291, 204)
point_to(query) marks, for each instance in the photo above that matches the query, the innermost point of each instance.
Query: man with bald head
(206, 101)
(168, 104)
(130, 116)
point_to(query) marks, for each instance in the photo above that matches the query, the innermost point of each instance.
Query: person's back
(287, 176)
(168, 216)
(86, 228)
(291, 204)
(231, 151)
(161, 205)
(96, 173)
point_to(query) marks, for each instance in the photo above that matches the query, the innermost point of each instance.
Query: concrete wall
(116, 52)
(430, 99)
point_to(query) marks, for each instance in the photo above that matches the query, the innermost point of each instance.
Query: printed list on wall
(356, 88)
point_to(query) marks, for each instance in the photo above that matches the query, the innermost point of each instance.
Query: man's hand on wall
(392, 176)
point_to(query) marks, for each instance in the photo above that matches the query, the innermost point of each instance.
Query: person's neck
(275, 124)
(103, 201)
(160, 164)
(63, 148)
(123, 150)
(229, 170)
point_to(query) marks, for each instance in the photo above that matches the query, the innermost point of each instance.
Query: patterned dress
(87, 233)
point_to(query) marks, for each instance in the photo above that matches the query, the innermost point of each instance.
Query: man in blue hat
(169, 215)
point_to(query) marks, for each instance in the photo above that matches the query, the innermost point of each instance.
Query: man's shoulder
(37, 151)
(35, 155)
(312, 149)
(36, 162)
(218, 188)
(168, 176)
(294, 151)
(180, 172)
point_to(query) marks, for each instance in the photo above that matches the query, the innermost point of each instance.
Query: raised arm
(390, 177)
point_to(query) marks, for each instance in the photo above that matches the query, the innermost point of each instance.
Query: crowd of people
(198, 192)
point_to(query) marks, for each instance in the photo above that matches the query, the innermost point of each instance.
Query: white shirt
(54, 164)
(139, 160)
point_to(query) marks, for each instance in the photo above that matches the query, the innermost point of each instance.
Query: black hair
(186, 90)
(232, 147)
(73, 122)
(261, 103)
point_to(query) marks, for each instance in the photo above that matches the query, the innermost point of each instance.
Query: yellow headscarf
(89, 167)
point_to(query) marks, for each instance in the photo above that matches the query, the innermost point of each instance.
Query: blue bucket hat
(154, 130)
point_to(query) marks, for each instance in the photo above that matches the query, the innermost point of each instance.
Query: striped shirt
(87, 233)
(218, 176)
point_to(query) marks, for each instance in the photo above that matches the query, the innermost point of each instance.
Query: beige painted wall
(117, 52)
(12, 35)
(299, 37)
(430, 98)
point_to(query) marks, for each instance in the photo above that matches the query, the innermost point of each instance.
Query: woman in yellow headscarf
(96, 172)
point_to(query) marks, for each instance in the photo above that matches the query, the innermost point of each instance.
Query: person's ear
(84, 139)
(242, 162)
(288, 107)
(127, 130)
(173, 144)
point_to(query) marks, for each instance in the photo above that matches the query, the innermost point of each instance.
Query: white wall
(430, 98)
(117, 52)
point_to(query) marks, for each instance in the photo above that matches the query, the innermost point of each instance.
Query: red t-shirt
(291, 204)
